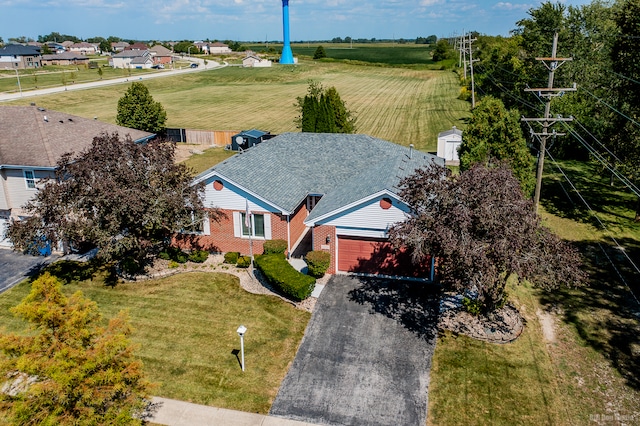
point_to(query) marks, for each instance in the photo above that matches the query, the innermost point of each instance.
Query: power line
(612, 108)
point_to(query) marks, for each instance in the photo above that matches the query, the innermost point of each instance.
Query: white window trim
(33, 178)
(237, 226)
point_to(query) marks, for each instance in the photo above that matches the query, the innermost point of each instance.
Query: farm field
(396, 104)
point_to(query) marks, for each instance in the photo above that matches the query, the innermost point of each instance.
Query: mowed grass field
(400, 105)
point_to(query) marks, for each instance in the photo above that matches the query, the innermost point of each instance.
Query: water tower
(287, 55)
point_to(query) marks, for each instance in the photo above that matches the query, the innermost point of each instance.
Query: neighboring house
(55, 47)
(218, 48)
(65, 58)
(331, 192)
(160, 54)
(255, 62)
(137, 46)
(32, 139)
(448, 144)
(131, 59)
(17, 56)
(203, 46)
(119, 46)
(83, 48)
(248, 138)
(67, 44)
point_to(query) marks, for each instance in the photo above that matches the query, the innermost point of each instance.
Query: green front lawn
(185, 329)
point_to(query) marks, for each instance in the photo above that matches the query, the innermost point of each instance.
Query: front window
(30, 179)
(256, 225)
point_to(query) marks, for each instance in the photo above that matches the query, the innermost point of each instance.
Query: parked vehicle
(194, 65)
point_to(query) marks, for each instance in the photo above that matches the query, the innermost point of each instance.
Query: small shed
(448, 144)
(253, 61)
(248, 138)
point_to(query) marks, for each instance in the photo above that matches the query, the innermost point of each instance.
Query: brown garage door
(376, 256)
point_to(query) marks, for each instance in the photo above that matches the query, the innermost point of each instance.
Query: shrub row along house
(32, 139)
(330, 192)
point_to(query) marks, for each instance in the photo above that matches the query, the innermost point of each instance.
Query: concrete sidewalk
(171, 412)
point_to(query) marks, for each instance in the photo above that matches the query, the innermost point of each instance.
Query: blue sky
(259, 20)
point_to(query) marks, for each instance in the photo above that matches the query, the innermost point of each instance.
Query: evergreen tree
(319, 53)
(67, 368)
(138, 110)
(323, 111)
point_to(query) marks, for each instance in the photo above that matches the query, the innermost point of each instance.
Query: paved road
(82, 86)
(15, 267)
(365, 357)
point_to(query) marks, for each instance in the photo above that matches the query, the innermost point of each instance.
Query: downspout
(288, 236)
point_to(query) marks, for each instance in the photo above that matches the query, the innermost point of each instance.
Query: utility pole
(473, 86)
(552, 63)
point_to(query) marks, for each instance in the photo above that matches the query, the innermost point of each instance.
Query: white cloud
(511, 6)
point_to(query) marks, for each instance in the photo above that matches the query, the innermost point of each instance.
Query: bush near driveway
(279, 273)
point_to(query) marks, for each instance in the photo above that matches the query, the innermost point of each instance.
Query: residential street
(365, 357)
(81, 86)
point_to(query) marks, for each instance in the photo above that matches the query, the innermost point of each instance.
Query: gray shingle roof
(19, 50)
(345, 168)
(26, 139)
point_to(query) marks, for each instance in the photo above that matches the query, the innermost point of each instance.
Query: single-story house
(131, 59)
(254, 61)
(333, 192)
(65, 58)
(249, 138)
(218, 48)
(17, 56)
(449, 142)
(32, 139)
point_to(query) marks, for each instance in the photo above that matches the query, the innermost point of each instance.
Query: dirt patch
(547, 322)
(184, 151)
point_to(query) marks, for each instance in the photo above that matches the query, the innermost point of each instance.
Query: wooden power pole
(547, 93)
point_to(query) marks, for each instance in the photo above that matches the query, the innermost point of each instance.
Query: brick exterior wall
(296, 222)
(320, 234)
(222, 239)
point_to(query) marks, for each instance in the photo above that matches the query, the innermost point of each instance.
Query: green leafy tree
(482, 231)
(105, 46)
(100, 72)
(125, 198)
(319, 53)
(442, 51)
(494, 136)
(625, 55)
(138, 110)
(77, 371)
(323, 111)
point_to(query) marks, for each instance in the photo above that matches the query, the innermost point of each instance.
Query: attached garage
(376, 256)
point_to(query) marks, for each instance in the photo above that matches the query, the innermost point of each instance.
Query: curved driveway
(365, 357)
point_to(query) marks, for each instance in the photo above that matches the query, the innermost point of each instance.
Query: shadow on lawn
(413, 304)
(606, 313)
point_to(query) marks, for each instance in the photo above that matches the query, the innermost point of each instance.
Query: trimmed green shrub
(274, 246)
(175, 254)
(231, 257)
(198, 256)
(318, 262)
(279, 273)
(244, 262)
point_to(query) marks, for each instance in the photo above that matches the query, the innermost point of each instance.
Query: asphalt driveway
(365, 357)
(15, 267)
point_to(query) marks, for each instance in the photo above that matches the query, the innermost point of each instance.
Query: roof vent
(410, 150)
(71, 119)
(41, 109)
(46, 119)
(62, 121)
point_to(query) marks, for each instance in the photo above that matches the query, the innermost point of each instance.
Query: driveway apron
(15, 267)
(365, 357)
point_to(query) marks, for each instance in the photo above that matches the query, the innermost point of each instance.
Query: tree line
(601, 39)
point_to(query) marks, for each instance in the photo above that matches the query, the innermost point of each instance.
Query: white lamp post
(241, 330)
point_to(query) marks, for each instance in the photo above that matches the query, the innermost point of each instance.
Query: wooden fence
(218, 138)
